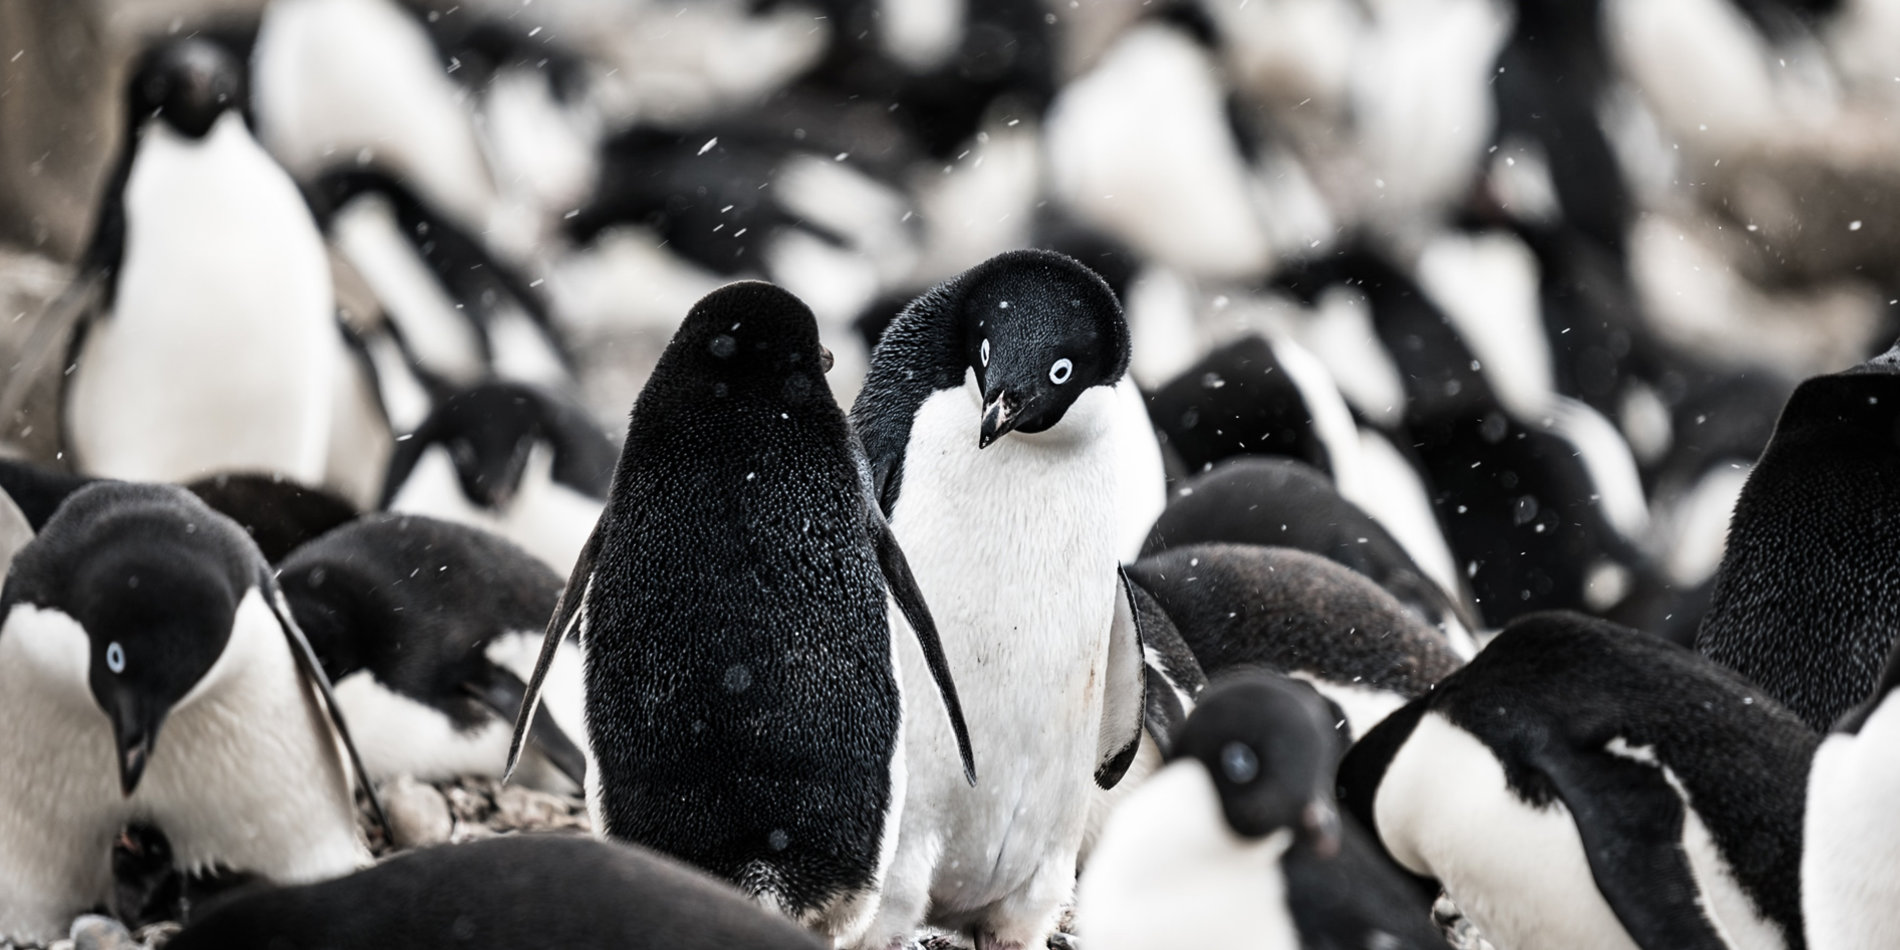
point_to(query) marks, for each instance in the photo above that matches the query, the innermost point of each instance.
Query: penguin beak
(1320, 820)
(825, 359)
(134, 732)
(999, 417)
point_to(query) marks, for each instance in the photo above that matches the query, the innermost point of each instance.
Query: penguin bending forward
(991, 419)
(744, 707)
(150, 671)
(1580, 784)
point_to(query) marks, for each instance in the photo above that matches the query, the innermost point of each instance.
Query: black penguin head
(1038, 329)
(752, 338)
(489, 431)
(1268, 745)
(188, 84)
(153, 578)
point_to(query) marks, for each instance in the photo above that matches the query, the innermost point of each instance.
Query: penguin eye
(1061, 371)
(115, 657)
(983, 351)
(1239, 763)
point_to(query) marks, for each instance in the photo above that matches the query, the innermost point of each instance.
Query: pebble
(418, 814)
(94, 932)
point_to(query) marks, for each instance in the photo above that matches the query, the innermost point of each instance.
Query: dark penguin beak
(1320, 821)
(1000, 415)
(825, 359)
(134, 730)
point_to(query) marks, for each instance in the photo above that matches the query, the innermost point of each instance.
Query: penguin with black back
(428, 630)
(1243, 399)
(995, 424)
(1281, 502)
(743, 701)
(518, 459)
(204, 295)
(151, 671)
(1581, 784)
(512, 891)
(1237, 841)
(1240, 605)
(1806, 601)
(278, 513)
(1850, 865)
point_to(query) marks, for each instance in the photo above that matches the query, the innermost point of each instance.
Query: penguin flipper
(567, 615)
(502, 692)
(1630, 821)
(1124, 692)
(910, 600)
(1163, 709)
(312, 670)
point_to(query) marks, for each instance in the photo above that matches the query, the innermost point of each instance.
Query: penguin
(1237, 841)
(1245, 398)
(428, 630)
(744, 706)
(514, 458)
(1801, 603)
(1281, 502)
(990, 419)
(1849, 892)
(279, 514)
(515, 890)
(463, 313)
(38, 490)
(152, 672)
(213, 298)
(1238, 605)
(1581, 784)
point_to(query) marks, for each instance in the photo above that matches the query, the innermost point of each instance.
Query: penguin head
(1270, 750)
(748, 338)
(1038, 329)
(188, 84)
(153, 578)
(489, 432)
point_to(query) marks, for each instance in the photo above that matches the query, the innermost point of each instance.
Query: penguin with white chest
(1850, 865)
(213, 342)
(1237, 842)
(991, 418)
(513, 458)
(150, 673)
(744, 706)
(1580, 784)
(429, 630)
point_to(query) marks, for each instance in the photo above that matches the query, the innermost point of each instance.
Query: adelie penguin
(992, 423)
(1806, 602)
(429, 629)
(205, 295)
(149, 670)
(745, 707)
(1581, 784)
(516, 459)
(1237, 842)
(1850, 865)
(513, 891)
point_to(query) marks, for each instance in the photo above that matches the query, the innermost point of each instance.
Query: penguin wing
(910, 600)
(1630, 821)
(1171, 676)
(503, 693)
(568, 612)
(312, 670)
(1124, 692)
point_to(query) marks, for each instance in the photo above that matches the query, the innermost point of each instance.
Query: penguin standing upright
(1580, 784)
(1237, 841)
(990, 417)
(743, 702)
(149, 671)
(214, 343)
(1805, 600)
(429, 630)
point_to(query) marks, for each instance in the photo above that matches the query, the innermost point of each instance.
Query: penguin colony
(1302, 474)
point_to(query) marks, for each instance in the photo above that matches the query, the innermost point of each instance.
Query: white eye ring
(983, 351)
(115, 657)
(1061, 371)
